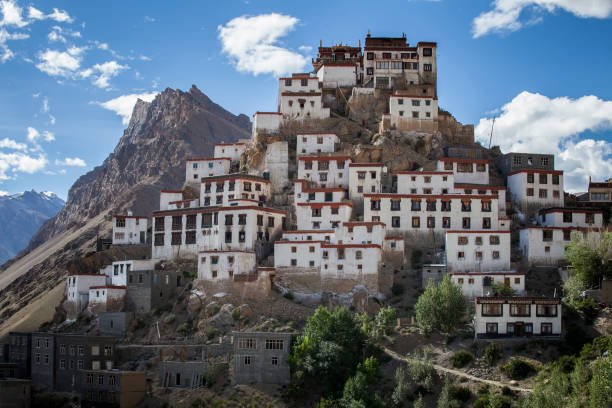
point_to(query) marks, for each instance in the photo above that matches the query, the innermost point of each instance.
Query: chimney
(320, 43)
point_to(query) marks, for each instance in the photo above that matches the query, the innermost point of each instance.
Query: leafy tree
(328, 350)
(446, 400)
(419, 403)
(492, 354)
(600, 387)
(591, 257)
(358, 393)
(385, 319)
(503, 289)
(402, 387)
(441, 307)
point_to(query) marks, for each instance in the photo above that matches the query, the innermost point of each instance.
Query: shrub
(183, 329)
(212, 332)
(462, 394)
(518, 369)
(461, 358)
(588, 307)
(397, 289)
(492, 354)
(169, 319)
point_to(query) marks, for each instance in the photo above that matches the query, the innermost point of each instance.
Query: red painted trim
(414, 96)
(209, 159)
(321, 205)
(226, 251)
(362, 223)
(301, 94)
(230, 177)
(324, 158)
(431, 196)
(457, 160)
(339, 246)
(479, 187)
(426, 173)
(298, 242)
(107, 287)
(573, 210)
(309, 232)
(553, 172)
(317, 133)
(122, 217)
(366, 165)
(172, 191)
(190, 211)
(88, 274)
(582, 229)
(231, 144)
(477, 232)
(394, 239)
(487, 274)
(266, 113)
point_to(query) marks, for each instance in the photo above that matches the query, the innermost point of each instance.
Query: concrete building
(322, 215)
(414, 213)
(261, 358)
(325, 171)
(570, 217)
(512, 162)
(392, 62)
(129, 229)
(16, 360)
(466, 171)
(365, 178)
(359, 232)
(410, 111)
(233, 151)
(517, 317)
(15, 393)
(477, 250)
(479, 189)
(220, 190)
(432, 272)
(481, 284)
(276, 165)
(58, 359)
(187, 232)
(536, 188)
(150, 289)
(305, 194)
(184, 374)
(266, 122)
(77, 291)
(106, 298)
(114, 323)
(327, 236)
(316, 142)
(424, 182)
(116, 273)
(195, 169)
(339, 66)
(111, 388)
(300, 98)
(543, 245)
(601, 192)
(169, 196)
(224, 265)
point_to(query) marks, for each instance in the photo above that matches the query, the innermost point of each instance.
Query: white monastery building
(466, 171)
(477, 251)
(233, 151)
(220, 190)
(322, 215)
(130, 229)
(365, 178)
(198, 168)
(224, 265)
(325, 171)
(267, 122)
(481, 284)
(300, 98)
(316, 142)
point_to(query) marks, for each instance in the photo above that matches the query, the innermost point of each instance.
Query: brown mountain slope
(149, 157)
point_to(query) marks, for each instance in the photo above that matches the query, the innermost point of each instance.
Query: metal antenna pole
(491, 136)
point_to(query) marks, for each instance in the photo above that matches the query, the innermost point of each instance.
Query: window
(431, 205)
(446, 205)
(465, 168)
(375, 205)
(495, 254)
(190, 237)
(63, 364)
(369, 71)
(294, 262)
(335, 210)
(176, 238)
(395, 222)
(479, 255)
(274, 360)
(491, 328)
(543, 193)
(316, 212)
(462, 240)
(486, 223)
(370, 55)
(287, 82)
(547, 235)
(530, 192)
(247, 344)
(431, 222)
(229, 220)
(466, 205)
(530, 178)
(446, 222)
(478, 240)
(246, 360)
(492, 309)
(522, 310)
(555, 179)
(543, 178)
(427, 52)
(427, 67)
(108, 351)
(274, 344)
(95, 350)
(416, 222)
(567, 216)
(416, 205)
(304, 82)
(546, 310)
(589, 218)
(395, 205)
(416, 102)
(546, 328)
(486, 205)
(415, 114)
(466, 223)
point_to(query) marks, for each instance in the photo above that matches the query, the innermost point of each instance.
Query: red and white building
(339, 66)
(300, 98)
(481, 283)
(169, 196)
(425, 182)
(477, 250)
(365, 178)
(316, 142)
(106, 298)
(304, 194)
(195, 169)
(536, 188)
(220, 190)
(408, 111)
(466, 171)
(325, 171)
(224, 265)
(233, 151)
(322, 215)
(266, 122)
(130, 229)
(77, 291)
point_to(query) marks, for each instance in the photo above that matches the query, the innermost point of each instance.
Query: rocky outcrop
(149, 157)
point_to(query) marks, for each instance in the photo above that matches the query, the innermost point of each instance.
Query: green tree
(503, 289)
(385, 320)
(600, 387)
(590, 257)
(402, 387)
(358, 393)
(419, 403)
(446, 400)
(441, 307)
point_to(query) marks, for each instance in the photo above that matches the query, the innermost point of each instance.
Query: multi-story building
(232, 151)
(466, 171)
(325, 171)
(300, 98)
(195, 169)
(150, 289)
(517, 317)
(405, 213)
(392, 62)
(58, 359)
(266, 122)
(304, 194)
(601, 192)
(223, 265)
(477, 250)
(129, 229)
(169, 196)
(261, 358)
(570, 217)
(365, 178)
(326, 215)
(16, 360)
(316, 142)
(116, 273)
(189, 231)
(339, 65)
(424, 182)
(106, 298)
(77, 291)
(111, 388)
(220, 190)
(410, 111)
(481, 284)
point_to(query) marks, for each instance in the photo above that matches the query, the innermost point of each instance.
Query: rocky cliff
(149, 157)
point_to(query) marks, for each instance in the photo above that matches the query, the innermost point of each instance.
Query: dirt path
(458, 373)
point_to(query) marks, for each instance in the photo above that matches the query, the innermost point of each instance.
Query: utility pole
(491, 136)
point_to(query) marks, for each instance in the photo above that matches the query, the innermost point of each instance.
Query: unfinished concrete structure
(110, 388)
(261, 357)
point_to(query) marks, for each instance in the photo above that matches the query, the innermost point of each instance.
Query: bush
(518, 369)
(169, 319)
(461, 358)
(492, 354)
(183, 329)
(441, 307)
(462, 394)
(212, 332)
(397, 289)
(588, 307)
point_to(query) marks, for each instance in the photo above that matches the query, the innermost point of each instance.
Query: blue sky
(70, 69)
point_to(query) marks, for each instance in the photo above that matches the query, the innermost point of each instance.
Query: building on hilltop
(195, 169)
(130, 229)
(411, 111)
(339, 65)
(300, 98)
(221, 190)
(324, 171)
(482, 283)
(261, 358)
(316, 142)
(233, 151)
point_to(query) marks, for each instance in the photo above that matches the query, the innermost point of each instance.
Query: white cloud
(124, 104)
(48, 136)
(20, 162)
(35, 13)
(60, 63)
(107, 71)
(251, 42)
(149, 19)
(305, 48)
(45, 105)
(4, 193)
(535, 123)
(61, 16)
(34, 135)
(71, 162)
(52, 119)
(505, 14)
(58, 33)
(5, 52)
(11, 14)
(7, 143)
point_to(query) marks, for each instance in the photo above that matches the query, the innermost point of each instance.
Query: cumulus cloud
(34, 135)
(20, 162)
(251, 42)
(58, 33)
(149, 19)
(11, 14)
(5, 52)
(535, 123)
(7, 143)
(124, 104)
(68, 161)
(60, 63)
(107, 71)
(61, 16)
(505, 14)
